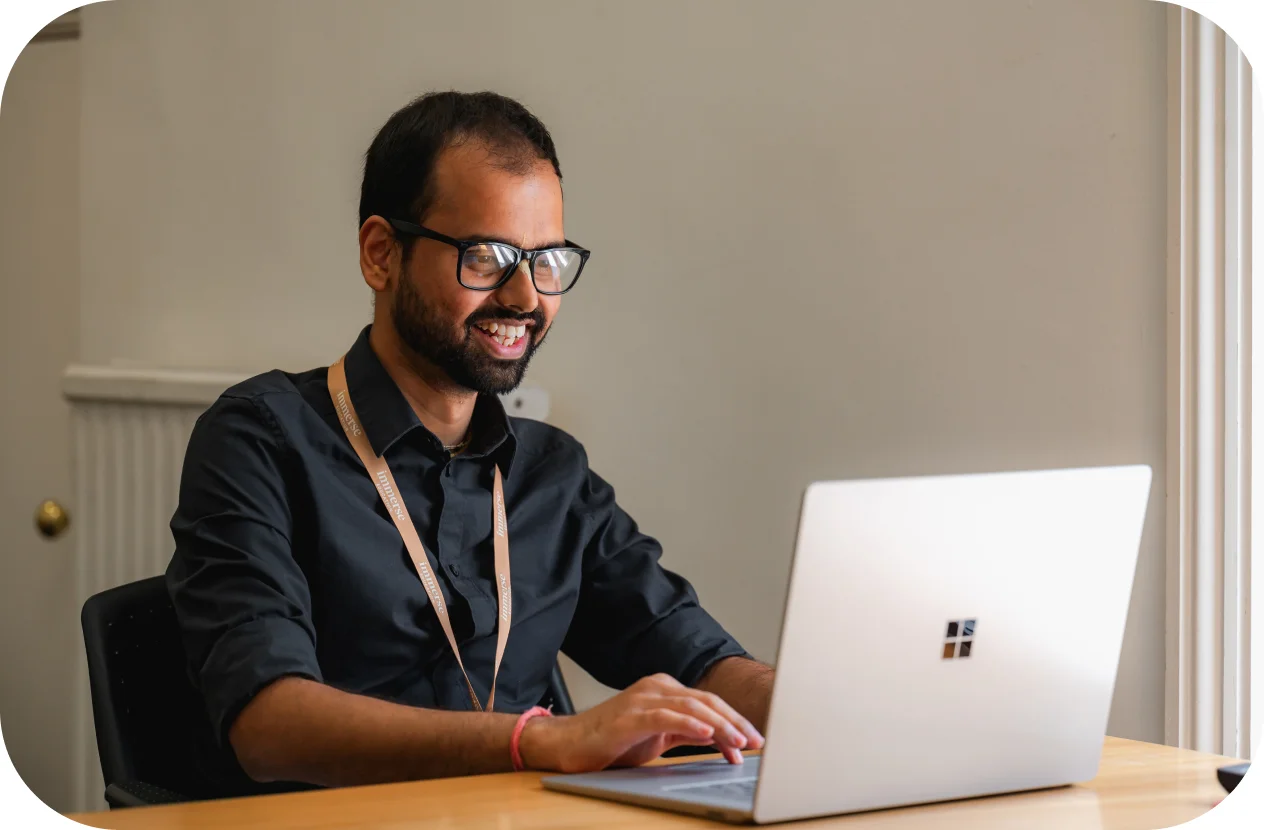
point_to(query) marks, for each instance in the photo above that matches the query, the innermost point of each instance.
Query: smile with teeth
(503, 333)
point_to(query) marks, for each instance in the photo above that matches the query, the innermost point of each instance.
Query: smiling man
(376, 567)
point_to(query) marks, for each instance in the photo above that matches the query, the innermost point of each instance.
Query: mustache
(536, 317)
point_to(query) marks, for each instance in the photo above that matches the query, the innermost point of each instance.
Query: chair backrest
(151, 725)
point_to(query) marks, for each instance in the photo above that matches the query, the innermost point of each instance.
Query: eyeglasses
(485, 265)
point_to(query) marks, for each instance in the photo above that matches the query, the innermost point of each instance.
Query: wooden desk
(1139, 787)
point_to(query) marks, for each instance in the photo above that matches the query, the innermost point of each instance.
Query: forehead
(475, 195)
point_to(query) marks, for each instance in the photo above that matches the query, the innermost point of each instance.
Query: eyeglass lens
(487, 263)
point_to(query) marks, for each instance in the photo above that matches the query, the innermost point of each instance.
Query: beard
(458, 356)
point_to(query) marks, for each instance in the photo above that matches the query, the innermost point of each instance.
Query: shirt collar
(492, 434)
(387, 416)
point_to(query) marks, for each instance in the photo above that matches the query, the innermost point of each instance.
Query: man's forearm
(301, 730)
(745, 684)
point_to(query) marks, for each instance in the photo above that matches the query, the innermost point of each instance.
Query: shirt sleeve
(240, 597)
(634, 617)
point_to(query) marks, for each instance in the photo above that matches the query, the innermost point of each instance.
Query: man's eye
(483, 260)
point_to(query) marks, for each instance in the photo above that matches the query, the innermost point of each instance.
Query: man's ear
(380, 253)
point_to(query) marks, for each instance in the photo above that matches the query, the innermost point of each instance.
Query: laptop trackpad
(714, 781)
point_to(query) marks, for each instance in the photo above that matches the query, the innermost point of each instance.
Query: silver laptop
(943, 638)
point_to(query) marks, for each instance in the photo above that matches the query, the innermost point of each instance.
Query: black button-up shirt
(286, 562)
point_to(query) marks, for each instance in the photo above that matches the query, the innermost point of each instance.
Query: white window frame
(1212, 365)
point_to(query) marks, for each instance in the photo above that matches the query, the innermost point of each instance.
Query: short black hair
(399, 165)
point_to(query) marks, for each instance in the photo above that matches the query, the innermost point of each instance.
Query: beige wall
(830, 239)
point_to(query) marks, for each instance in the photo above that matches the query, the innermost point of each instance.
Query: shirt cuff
(686, 643)
(247, 659)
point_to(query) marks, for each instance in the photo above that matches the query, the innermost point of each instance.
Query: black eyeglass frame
(463, 245)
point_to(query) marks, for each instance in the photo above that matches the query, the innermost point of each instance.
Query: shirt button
(454, 570)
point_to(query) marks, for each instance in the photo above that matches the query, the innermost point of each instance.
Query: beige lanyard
(380, 473)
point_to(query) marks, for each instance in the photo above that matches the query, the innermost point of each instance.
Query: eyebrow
(488, 237)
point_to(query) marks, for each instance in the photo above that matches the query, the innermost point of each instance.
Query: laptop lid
(948, 637)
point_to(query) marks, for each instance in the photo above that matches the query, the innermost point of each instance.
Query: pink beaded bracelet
(533, 712)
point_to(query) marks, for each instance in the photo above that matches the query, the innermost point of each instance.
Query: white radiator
(130, 429)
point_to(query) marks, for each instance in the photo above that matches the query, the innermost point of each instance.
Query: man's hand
(635, 726)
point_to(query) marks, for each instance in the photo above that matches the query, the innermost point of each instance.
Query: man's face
(450, 325)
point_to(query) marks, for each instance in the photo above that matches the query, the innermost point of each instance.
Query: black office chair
(149, 718)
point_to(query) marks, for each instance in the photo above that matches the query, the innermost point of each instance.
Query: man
(317, 632)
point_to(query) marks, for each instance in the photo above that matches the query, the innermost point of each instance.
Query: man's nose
(519, 292)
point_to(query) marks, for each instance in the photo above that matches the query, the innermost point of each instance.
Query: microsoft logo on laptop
(959, 639)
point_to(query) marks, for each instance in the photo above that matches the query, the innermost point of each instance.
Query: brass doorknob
(51, 519)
